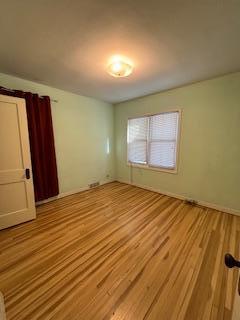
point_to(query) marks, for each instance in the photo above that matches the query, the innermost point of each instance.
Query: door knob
(230, 262)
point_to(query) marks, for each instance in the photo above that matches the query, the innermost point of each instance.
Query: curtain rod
(12, 90)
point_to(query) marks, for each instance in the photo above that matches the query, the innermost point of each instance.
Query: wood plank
(120, 252)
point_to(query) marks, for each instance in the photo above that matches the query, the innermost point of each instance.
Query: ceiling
(67, 43)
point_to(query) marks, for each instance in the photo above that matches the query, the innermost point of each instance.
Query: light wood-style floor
(119, 252)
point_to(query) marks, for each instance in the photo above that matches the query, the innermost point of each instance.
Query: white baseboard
(181, 197)
(170, 194)
(69, 193)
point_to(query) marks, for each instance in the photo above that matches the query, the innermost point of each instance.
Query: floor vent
(191, 202)
(94, 185)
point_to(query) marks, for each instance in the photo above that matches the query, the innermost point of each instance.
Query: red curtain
(41, 140)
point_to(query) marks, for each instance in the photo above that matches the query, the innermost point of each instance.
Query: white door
(17, 203)
(236, 304)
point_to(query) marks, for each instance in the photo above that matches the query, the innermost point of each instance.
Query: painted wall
(209, 159)
(83, 128)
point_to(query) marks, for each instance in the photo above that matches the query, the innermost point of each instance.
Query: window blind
(137, 140)
(163, 129)
(152, 141)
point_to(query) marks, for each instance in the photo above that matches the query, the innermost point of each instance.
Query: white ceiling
(67, 43)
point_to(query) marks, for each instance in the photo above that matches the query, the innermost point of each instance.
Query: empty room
(120, 160)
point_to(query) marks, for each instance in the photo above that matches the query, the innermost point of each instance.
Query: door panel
(16, 203)
(16, 192)
(10, 146)
(236, 305)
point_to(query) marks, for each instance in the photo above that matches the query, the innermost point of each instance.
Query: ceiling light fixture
(120, 67)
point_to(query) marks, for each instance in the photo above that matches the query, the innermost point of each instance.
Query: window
(137, 140)
(152, 141)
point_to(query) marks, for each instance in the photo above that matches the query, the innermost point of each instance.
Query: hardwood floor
(120, 252)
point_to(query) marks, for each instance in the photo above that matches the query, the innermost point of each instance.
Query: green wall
(82, 128)
(209, 159)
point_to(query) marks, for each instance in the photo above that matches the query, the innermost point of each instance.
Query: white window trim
(162, 169)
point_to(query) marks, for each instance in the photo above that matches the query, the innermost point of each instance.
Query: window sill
(145, 166)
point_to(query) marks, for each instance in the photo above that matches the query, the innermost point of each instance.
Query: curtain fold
(41, 140)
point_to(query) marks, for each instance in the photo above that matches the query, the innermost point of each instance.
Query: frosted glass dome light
(120, 67)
